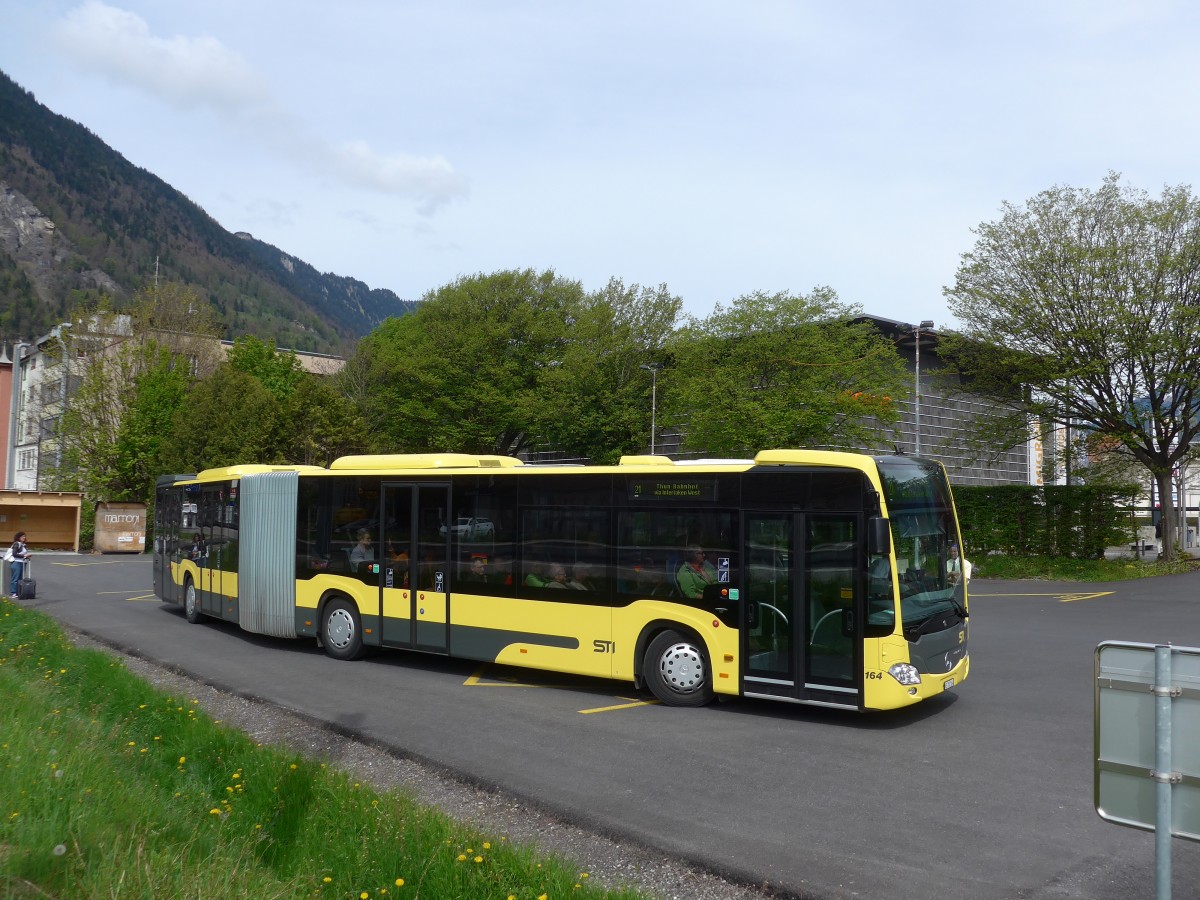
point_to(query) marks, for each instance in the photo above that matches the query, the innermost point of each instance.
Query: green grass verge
(1052, 569)
(110, 787)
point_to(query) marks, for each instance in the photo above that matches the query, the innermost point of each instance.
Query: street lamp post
(926, 325)
(653, 368)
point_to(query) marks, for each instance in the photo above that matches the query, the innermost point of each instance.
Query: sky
(719, 148)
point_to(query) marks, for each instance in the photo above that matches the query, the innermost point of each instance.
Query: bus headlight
(905, 673)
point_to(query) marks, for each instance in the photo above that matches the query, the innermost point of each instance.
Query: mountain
(78, 220)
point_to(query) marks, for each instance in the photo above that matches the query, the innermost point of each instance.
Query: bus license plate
(947, 684)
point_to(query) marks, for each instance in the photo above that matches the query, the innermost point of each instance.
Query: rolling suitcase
(27, 587)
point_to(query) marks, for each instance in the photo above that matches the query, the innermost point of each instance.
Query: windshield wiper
(912, 632)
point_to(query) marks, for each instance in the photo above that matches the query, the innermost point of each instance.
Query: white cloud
(432, 179)
(203, 72)
(185, 71)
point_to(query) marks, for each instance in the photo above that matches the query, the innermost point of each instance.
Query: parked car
(470, 528)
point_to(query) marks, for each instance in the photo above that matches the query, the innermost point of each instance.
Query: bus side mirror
(879, 536)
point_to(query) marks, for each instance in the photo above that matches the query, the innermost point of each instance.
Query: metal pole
(653, 407)
(918, 387)
(925, 325)
(1163, 776)
(653, 368)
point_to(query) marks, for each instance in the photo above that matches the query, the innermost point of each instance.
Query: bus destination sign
(673, 489)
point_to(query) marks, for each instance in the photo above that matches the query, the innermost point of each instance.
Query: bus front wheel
(341, 630)
(191, 603)
(677, 672)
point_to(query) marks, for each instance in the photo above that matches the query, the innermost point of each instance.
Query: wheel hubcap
(189, 602)
(682, 668)
(339, 629)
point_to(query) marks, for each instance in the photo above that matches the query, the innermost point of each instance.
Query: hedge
(1072, 521)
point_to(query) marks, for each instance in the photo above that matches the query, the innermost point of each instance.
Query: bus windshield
(929, 563)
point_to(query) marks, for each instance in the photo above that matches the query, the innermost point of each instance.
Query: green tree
(145, 428)
(127, 373)
(226, 419)
(277, 370)
(600, 393)
(1082, 308)
(320, 424)
(781, 370)
(468, 370)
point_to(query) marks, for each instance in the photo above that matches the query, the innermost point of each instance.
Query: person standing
(16, 556)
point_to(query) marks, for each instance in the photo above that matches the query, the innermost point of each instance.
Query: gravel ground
(608, 862)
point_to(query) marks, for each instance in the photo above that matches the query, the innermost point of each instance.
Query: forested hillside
(78, 220)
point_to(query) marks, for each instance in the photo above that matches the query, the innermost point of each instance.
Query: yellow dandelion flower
(487, 845)
(132, 744)
(182, 760)
(214, 812)
(541, 897)
(327, 879)
(583, 875)
(363, 896)
(236, 775)
(399, 882)
(462, 857)
(479, 859)
(292, 767)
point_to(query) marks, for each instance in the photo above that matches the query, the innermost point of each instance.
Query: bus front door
(800, 629)
(415, 569)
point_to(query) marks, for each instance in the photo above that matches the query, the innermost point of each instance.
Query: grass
(1055, 569)
(109, 787)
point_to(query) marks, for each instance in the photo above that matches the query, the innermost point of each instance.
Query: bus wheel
(191, 603)
(677, 671)
(341, 631)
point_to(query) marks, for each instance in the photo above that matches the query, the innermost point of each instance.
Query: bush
(1067, 521)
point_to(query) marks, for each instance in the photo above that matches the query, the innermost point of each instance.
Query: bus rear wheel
(191, 603)
(341, 630)
(677, 672)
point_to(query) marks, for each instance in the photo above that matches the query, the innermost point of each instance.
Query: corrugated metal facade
(267, 553)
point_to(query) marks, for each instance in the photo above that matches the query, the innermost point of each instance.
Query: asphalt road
(984, 793)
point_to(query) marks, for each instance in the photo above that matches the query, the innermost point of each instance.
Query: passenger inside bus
(363, 552)
(584, 576)
(695, 574)
(561, 578)
(477, 570)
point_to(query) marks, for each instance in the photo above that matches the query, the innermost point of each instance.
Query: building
(38, 379)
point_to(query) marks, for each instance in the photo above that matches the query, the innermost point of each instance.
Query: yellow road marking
(143, 597)
(1062, 598)
(476, 680)
(77, 565)
(1071, 598)
(630, 705)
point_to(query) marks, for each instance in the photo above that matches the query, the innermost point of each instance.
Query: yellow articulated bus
(802, 576)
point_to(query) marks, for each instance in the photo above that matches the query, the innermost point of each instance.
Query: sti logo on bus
(604, 646)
